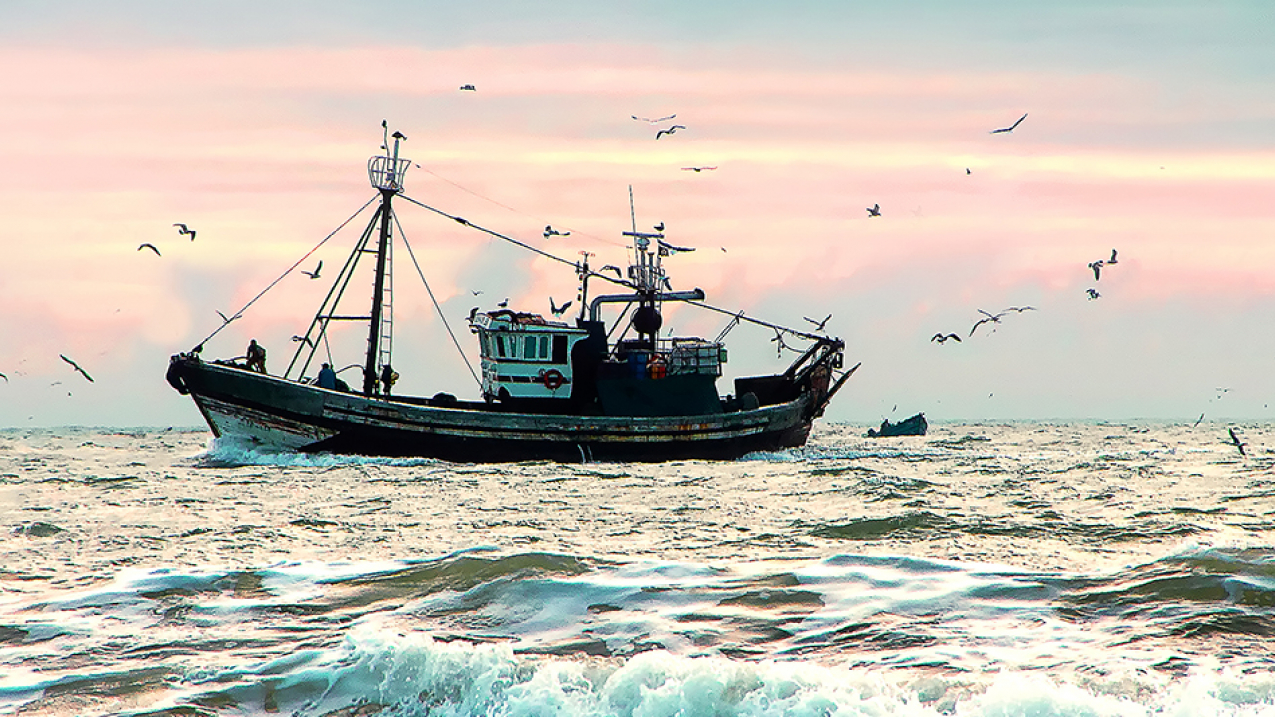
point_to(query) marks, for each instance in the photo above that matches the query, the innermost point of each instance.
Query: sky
(1150, 129)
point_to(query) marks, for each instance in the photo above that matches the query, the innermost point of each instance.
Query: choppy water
(1023, 569)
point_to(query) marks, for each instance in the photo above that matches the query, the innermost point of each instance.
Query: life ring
(552, 379)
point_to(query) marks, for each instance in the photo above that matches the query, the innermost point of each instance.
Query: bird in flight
(6, 378)
(475, 292)
(942, 338)
(1097, 268)
(698, 169)
(76, 366)
(558, 310)
(469, 88)
(1112, 260)
(1235, 441)
(996, 318)
(1019, 309)
(670, 130)
(314, 274)
(551, 232)
(818, 324)
(653, 121)
(303, 339)
(150, 246)
(226, 319)
(1093, 294)
(874, 210)
(1011, 127)
(967, 170)
(182, 229)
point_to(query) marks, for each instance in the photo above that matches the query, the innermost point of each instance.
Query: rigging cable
(291, 268)
(437, 308)
(498, 235)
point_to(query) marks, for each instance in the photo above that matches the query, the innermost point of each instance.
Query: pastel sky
(1150, 129)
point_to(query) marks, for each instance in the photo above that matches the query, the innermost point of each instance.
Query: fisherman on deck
(256, 357)
(388, 377)
(327, 377)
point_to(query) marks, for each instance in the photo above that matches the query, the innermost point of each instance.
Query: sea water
(986, 569)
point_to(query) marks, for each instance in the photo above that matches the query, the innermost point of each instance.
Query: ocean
(1035, 569)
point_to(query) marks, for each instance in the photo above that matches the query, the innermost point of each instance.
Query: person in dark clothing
(256, 357)
(388, 377)
(327, 377)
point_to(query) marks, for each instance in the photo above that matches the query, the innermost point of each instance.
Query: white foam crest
(236, 452)
(411, 674)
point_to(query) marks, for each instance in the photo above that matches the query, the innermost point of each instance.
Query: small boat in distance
(549, 389)
(912, 426)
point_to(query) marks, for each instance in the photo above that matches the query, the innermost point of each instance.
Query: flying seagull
(150, 246)
(653, 121)
(1235, 440)
(1097, 268)
(942, 338)
(469, 88)
(670, 130)
(314, 274)
(1093, 294)
(181, 229)
(551, 232)
(994, 318)
(224, 318)
(1011, 127)
(698, 169)
(1019, 309)
(1112, 260)
(558, 310)
(303, 339)
(818, 324)
(874, 210)
(76, 366)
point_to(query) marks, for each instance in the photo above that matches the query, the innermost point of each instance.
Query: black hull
(284, 415)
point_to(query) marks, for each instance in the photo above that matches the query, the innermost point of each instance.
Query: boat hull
(278, 414)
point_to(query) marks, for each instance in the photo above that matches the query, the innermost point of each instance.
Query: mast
(386, 174)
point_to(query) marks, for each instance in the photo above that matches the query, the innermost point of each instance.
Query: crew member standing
(256, 357)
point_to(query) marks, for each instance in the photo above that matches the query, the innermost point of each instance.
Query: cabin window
(500, 346)
(529, 347)
(544, 347)
(559, 349)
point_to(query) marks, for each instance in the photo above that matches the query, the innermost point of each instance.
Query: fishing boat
(549, 388)
(911, 426)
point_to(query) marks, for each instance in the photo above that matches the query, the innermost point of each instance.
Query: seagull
(874, 210)
(1093, 294)
(659, 227)
(224, 318)
(470, 88)
(76, 366)
(1019, 309)
(1011, 127)
(967, 170)
(6, 378)
(558, 310)
(181, 229)
(150, 246)
(653, 121)
(818, 324)
(994, 318)
(1235, 440)
(472, 313)
(942, 338)
(314, 274)
(670, 130)
(698, 169)
(551, 232)
(504, 304)
(475, 292)
(1097, 268)
(1112, 260)
(303, 339)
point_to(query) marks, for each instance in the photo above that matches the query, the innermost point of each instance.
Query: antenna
(385, 135)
